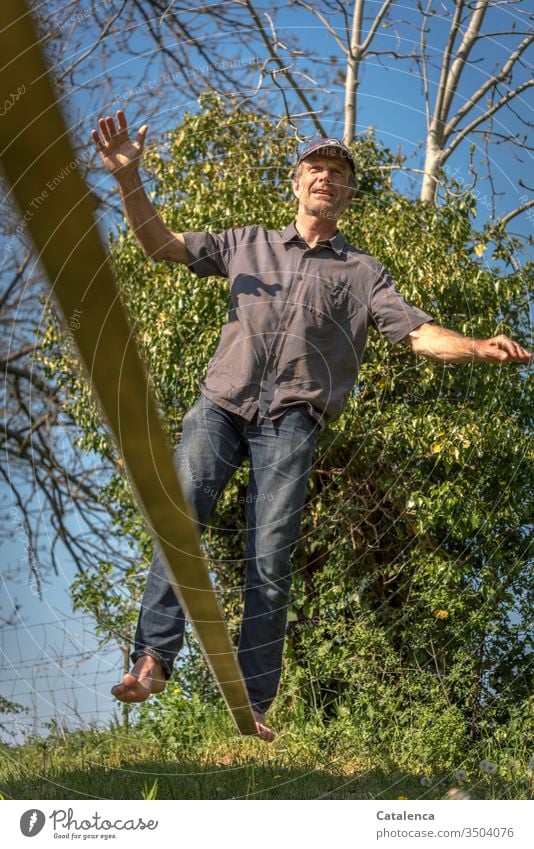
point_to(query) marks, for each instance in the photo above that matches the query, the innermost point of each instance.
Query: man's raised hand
(119, 153)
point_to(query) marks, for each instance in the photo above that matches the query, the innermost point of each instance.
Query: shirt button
(299, 277)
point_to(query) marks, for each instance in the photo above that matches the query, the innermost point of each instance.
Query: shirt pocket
(330, 298)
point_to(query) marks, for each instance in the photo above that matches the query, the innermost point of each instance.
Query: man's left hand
(501, 349)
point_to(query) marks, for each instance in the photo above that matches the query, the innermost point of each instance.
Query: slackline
(40, 165)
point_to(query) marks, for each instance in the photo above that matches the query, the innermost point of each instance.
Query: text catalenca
(402, 815)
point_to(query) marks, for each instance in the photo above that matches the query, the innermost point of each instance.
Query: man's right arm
(121, 157)
(156, 240)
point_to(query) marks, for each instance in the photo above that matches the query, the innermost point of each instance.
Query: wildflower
(488, 766)
(402, 797)
(441, 614)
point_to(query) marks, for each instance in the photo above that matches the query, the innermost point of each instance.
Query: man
(302, 300)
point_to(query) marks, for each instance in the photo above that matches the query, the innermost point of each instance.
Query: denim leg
(210, 451)
(281, 455)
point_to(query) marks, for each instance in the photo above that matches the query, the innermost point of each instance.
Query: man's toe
(121, 691)
(128, 689)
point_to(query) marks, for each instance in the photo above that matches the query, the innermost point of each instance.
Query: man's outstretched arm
(122, 157)
(438, 343)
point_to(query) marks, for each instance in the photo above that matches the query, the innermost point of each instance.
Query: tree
(411, 583)
(110, 597)
(354, 47)
(51, 487)
(454, 115)
(470, 62)
(286, 89)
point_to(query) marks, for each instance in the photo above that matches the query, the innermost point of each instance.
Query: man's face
(322, 186)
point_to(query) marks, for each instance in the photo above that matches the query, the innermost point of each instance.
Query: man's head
(324, 178)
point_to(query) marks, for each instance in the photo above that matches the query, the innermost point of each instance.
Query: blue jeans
(214, 444)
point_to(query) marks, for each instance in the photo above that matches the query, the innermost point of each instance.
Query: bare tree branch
(452, 80)
(101, 36)
(357, 52)
(343, 46)
(461, 134)
(489, 83)
(272, 52)
(443, 135)
(424, 62)
(505, 219)
(437, 120)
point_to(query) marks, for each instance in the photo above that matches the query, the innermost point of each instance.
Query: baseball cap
(330, 147)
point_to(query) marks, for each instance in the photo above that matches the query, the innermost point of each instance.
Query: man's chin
(323, 210)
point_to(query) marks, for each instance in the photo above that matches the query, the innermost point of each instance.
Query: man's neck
(315, 228)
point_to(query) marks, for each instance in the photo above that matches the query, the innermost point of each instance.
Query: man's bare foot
(145, 678)
(264, 732)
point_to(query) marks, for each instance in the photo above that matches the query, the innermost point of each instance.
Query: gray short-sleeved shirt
(298, 319)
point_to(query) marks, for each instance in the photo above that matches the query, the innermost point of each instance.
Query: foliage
(411, 587)
(108, 599)
(9, 708)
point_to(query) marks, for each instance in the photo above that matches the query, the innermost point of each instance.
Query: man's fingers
(503, 349)
(121, 120)
(497, 356)
(514, 349)
(507, 352)
(110, 124)
(104, 129)
(97, 140)
(507, 347)
(141, 135)
(522, 353)
(518, 353)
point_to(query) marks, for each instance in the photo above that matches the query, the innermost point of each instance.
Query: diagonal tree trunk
(357, 52)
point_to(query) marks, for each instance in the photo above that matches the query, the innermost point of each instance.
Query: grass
(241, 776)
(306, 761)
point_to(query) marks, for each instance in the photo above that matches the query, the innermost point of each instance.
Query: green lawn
(111, 765)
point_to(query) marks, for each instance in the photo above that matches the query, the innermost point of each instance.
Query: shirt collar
(337, 242)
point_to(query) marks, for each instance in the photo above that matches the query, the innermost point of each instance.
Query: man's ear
(353, 185)
(295, 183)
